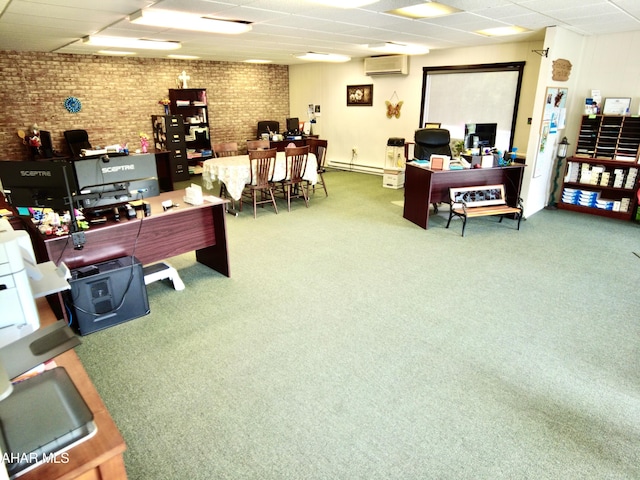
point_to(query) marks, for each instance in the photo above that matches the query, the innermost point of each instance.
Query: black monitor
(44, 184)
(110, 181)
(293, 125)
(484, 133)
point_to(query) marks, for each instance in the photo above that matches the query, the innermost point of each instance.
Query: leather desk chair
(267, 126)
(430, 141)
(77, 140)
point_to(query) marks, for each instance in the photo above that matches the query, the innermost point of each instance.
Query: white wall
(566, 45)
(368, 128)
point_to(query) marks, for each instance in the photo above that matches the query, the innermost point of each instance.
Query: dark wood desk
(99, 457)
(151, 239)
(281, 144)
(423, 186)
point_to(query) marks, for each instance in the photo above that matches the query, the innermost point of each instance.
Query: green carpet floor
(351, 344)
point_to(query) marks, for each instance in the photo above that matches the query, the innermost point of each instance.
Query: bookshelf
(602, 177)
(191, 104)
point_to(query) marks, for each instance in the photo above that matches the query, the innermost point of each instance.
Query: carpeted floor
(351, 344)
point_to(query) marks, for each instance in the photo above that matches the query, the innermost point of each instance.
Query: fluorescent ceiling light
(255, 60)
(115, 52)
(125, 42)
(425, 10)
(323, 57)
(188, 21)
(344, 3)
(502, 31)
(400, 48)
(182, 57)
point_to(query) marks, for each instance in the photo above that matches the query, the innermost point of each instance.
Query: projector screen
(455, 96)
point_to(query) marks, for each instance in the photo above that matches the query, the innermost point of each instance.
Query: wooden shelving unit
(603, 176)
(191, 104)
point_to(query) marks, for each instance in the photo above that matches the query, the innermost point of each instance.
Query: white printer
(21, 281)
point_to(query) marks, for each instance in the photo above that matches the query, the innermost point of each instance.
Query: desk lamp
(561, 154)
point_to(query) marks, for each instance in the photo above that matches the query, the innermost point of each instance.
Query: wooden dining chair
(293, 185)
(319, 148)
(258, 144)
(224, 149)
(262, 165)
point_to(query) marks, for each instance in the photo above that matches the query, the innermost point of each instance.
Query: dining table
(234, 172)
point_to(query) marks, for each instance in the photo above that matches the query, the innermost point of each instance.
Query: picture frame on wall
(616, 106)
(359, 95)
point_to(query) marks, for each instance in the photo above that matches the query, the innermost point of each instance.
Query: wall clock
(72, 104)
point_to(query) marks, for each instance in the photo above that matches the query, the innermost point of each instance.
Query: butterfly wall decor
(393, 109)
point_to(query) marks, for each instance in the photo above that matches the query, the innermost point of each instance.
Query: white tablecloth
(234, 172)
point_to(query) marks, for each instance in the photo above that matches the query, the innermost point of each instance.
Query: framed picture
(359, 95)
(616, 106)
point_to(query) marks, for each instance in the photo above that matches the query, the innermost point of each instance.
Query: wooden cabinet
(602, 178)
(191, 105)
(171, 150)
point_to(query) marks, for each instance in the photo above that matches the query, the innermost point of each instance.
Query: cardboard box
(393, 179)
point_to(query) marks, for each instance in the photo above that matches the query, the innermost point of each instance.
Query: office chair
(431, 140)
(268, 126)
(77, 140)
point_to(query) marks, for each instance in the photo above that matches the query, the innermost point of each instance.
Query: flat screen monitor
(293, 124)
(482, 135)
(109, 181)
(44, 184)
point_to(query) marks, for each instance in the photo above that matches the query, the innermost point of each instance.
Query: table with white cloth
(235, 174)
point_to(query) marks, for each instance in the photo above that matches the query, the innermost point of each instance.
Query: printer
(22, 280)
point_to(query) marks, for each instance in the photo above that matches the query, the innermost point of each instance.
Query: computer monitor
(481, 135)
(110, 181)
(293, 124)
(44, 184)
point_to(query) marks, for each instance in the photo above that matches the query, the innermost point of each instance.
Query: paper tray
(44, 416)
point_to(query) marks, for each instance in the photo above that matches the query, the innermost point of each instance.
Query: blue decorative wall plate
(72, 104)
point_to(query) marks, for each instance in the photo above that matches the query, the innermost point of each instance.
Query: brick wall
(119, 95)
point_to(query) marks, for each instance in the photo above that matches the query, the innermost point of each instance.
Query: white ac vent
(387, 65)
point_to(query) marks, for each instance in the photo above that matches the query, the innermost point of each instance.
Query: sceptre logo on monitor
(35, 173)
(118, 168)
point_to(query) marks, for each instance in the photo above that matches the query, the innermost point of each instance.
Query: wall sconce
(563, 146)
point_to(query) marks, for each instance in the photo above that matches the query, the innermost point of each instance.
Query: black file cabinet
(171, 150)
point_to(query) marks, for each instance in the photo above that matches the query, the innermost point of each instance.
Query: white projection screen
(455, 96)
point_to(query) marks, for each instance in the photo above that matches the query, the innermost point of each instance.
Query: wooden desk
(281, 144)
(99, 457)
(151, 239)
(423, 186)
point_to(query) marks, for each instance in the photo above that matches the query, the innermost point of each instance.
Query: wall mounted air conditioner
(387, 65)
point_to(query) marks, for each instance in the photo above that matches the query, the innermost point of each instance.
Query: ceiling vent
(387, 65)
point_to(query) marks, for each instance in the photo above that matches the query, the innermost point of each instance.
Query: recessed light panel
(425, 10)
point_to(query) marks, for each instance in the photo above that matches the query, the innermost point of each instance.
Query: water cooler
(394, 165)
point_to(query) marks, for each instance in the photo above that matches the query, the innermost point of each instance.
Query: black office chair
(268, 126)
(431, 140)
(77, 140)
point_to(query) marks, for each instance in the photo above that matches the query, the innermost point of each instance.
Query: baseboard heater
(356, 167)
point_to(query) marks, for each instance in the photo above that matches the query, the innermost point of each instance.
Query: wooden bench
(481, 201)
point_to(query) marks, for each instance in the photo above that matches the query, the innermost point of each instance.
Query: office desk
(99, 457)
(423, 186)
(162, 235)
(235, 174)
